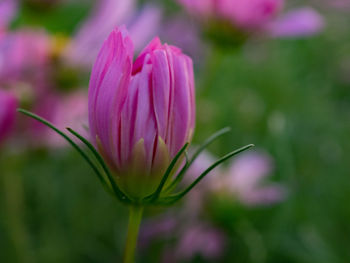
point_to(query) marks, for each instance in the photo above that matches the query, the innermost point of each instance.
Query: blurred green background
(290, 97)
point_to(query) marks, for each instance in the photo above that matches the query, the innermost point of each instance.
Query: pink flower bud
(8, 106)
(140, 113)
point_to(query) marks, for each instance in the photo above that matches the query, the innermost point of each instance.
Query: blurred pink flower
(141, 113)
(249, 14)
(244, 179)
(25, 69)
(202, 162)
(70, 111)
(24, 56)
(193, 237)
(200, 239)
(298, 22)
(8, 105)
(199, 7)
(144, 25)
(43, 104)
(183, 33)
(158, 227)
(107, 14)
(8, 9)
(241, 13)
(257, 15)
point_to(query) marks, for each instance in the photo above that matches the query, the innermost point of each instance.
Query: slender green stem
(135, 217)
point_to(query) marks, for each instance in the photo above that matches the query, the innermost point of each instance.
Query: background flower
(24, 57)
(244, 179)
(299, 22)
(8, 10)
(106, 15)
(256, 16)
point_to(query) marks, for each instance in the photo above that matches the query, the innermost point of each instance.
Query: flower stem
(135, 217)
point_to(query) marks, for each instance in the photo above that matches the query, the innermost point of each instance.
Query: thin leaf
(208, 142)
(75, 146)
(116, 189)
(176, 197)
(179, 176)
(201, 148)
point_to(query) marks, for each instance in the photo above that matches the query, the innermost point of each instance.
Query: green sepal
(76, 147)
(176, 197)
(208, 141)
(155, 198)
(151, 198)
(179, 176)
(120, 195)
(201, 148)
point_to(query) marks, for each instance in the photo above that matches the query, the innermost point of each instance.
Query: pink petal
(153, 45)
(181, 110)
(161, 90)
(138, 120)
(109, 82)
